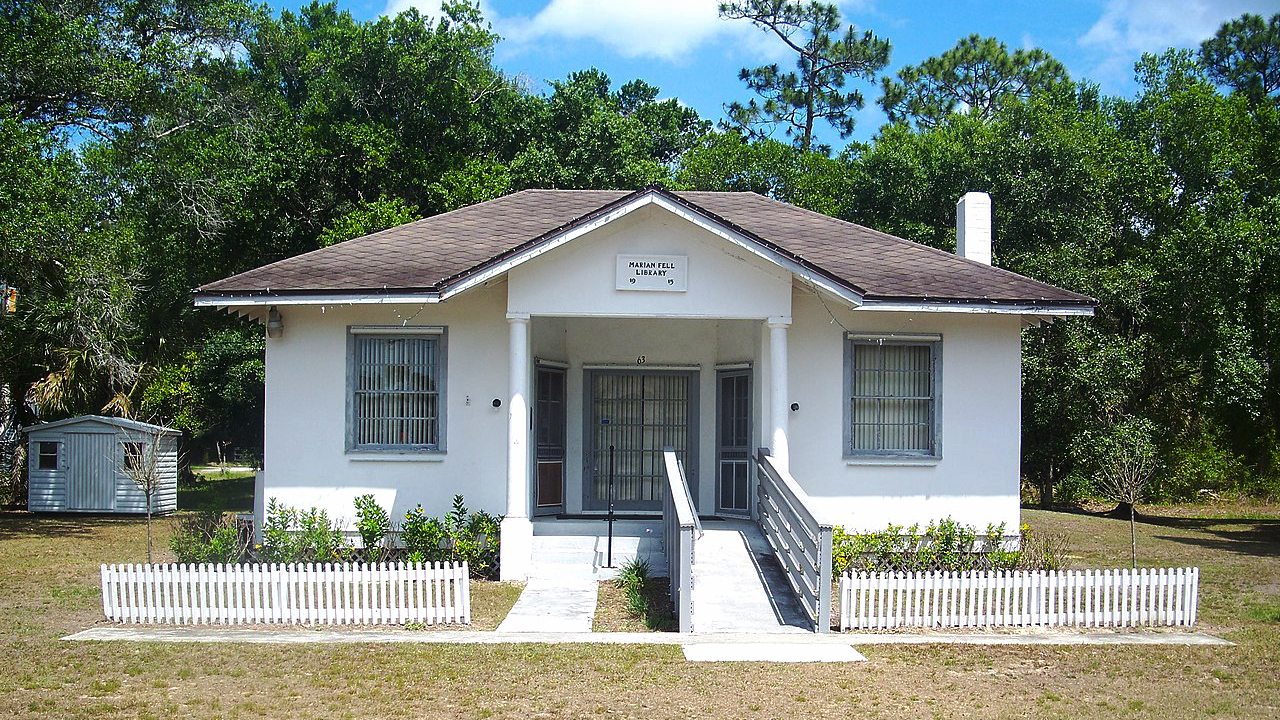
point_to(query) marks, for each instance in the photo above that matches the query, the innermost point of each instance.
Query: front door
(549, 428)
(733, 442)
(637, 413)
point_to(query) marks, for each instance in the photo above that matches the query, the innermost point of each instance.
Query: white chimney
(973, 227)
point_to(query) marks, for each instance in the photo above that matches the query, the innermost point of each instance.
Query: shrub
(458, 536)
(942, 545)
(421, 535)
(373, 524)
(209, 537)
(290, 535)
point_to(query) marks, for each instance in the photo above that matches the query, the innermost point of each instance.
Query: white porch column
(779, 395)
(517, 531)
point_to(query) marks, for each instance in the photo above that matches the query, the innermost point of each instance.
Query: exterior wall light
(795, 407)
(497, 403)
(275, 323)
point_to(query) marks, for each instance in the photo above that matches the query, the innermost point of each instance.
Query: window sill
(435, 456)
(907, 460)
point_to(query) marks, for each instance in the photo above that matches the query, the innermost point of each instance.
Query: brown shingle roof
(429, 254)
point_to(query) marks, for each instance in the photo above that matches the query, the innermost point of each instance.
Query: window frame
(40, 455)
(441, 374)
(134, 455)
(934, 343)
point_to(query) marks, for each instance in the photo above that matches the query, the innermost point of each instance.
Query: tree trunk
(807, 141)
(149, 528)
(1133, 540)
(1046, 489)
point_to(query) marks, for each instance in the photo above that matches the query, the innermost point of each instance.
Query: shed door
(91, 471)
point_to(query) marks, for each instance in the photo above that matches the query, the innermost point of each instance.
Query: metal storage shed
(78, 465)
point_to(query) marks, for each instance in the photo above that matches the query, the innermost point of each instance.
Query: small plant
(633, 574)
(459, 536)
(209, 537)
(373, 524)
(290, 535)
(942, 545)
(421, 535)
(633, 580)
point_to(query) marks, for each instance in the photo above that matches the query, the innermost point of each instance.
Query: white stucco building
(499, 350)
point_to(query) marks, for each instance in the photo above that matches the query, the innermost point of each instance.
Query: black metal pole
(609, 562)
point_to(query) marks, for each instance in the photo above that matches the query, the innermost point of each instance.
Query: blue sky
(686, 50)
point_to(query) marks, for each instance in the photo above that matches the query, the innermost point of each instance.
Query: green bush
(209, 537)
(942, 545)
(458, 536)
(373, 524)
(290, 535)
(633, 580)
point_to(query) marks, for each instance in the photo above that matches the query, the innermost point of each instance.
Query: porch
(594, 402)
(744, 577)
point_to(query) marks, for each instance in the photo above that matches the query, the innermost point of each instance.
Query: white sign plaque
(669, 273)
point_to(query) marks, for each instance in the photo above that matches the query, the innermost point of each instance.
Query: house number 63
(640, 360)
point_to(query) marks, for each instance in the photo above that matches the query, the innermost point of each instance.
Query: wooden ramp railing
(800, 540)
(680, 528)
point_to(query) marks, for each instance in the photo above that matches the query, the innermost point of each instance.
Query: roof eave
(356, 296)
(984, 306)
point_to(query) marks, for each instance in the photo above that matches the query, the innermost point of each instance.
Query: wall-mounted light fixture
(795, 407)
(275, 323)
(497, 403)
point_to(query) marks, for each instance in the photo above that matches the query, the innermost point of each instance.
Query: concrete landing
(738, 586)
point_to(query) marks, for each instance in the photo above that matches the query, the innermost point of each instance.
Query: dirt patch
(614, 615)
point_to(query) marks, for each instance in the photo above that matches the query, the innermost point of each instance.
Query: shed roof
(124, 423)
(431, 255)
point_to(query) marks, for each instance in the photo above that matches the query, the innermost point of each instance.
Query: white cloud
(666, 30)
(1128, 28)
(431, 8)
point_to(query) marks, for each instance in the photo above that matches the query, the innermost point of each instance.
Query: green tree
(974, 77)
(585, 135)
(1245, 55)
(727, 162)
(825, 61)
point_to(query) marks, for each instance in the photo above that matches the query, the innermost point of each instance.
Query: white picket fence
(292, 593)
(1087, 598)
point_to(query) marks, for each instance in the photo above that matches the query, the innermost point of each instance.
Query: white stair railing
(800, 540)
(680, 528)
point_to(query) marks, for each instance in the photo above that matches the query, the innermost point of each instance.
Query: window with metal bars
(891, 391)
(396, 399)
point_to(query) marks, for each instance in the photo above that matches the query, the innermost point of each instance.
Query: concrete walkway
(211, 634)
(738, 586)
(569, 561)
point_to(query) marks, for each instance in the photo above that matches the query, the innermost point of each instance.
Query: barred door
(638, 414)
(733, 442)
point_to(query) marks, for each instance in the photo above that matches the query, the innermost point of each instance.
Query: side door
(549, 430)
(733, 442)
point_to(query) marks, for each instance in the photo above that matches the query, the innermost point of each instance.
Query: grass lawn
(217, 489)
(48, 588)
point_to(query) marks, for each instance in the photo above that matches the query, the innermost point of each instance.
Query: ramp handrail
(680, 527)
(800, 539)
